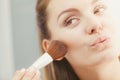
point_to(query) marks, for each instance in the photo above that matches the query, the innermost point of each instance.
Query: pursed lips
(99, 41)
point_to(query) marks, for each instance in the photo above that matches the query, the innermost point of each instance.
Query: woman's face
(87, 28)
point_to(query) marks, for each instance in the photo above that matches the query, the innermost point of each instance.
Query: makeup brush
(56, 50)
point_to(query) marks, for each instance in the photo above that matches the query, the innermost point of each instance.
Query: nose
(94, 26)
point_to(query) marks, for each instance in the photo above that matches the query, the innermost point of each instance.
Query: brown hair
(58, 70)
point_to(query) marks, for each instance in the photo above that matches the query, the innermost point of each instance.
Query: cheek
(74, 38)
(111, 22)
(77, 44)
(113, 27)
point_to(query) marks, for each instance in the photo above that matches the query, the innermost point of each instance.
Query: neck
(102, 72)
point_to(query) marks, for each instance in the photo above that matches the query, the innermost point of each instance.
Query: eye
(72, 21)
(99, 9)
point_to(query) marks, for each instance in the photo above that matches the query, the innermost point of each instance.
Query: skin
(27, 74)
(79, 26)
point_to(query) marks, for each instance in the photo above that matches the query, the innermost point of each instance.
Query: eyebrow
(66, 11)
(73, 9)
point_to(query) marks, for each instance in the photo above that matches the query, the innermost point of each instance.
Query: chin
(106, 58)
(108, 55)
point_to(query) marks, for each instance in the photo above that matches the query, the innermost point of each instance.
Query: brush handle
(44, 60)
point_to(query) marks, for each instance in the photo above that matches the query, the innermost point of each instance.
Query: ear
(45, 44)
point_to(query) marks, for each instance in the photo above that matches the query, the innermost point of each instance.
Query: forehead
(56, 3)
(59, 5)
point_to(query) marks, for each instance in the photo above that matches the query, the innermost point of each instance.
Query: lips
(99, 41)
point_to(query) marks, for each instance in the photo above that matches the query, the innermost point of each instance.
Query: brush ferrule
(44, 60)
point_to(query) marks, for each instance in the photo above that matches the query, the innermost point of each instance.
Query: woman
(89, 31)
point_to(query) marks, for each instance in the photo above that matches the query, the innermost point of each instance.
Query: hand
(27, 74)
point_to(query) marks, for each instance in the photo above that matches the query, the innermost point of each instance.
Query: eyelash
(68, 22)
(100, 9)
(71, 20)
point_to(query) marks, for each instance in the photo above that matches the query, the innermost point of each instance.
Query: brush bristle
(57, 49)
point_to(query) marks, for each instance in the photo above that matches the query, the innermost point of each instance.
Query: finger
(37, 76)
(29, 74)
(19, 74)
